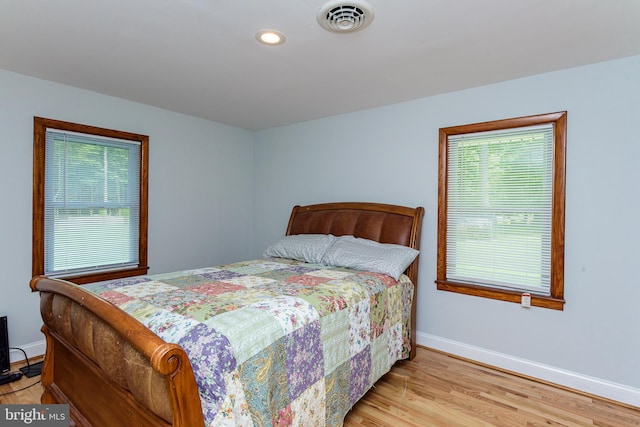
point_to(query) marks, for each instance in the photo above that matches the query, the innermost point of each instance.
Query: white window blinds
(499, 208)
(92, 203)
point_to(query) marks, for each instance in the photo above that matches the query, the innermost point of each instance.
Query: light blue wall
(219, 194)
(200, 186)
(390, 155)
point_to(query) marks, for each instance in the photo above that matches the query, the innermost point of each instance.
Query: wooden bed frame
(113, 371)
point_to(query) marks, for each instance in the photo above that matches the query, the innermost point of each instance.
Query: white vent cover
(345, 16)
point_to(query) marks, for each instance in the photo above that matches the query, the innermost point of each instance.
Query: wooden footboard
(110, 368)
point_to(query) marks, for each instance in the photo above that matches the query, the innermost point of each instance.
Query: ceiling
(200, 57)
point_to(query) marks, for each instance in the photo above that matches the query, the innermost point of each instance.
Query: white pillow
(367, 255)
(302, 247)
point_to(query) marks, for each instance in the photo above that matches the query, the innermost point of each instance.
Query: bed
(125, 352)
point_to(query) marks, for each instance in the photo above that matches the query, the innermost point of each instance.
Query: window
(501, 198)
(89, 202)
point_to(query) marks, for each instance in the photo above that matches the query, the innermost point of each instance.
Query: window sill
(106, 275)
(543, 301)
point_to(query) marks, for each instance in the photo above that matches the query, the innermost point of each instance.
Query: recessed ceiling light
(270, 37)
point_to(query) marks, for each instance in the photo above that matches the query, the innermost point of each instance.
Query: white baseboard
(595, 386)
(32, 349)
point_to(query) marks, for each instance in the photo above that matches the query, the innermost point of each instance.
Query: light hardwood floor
(436, 389)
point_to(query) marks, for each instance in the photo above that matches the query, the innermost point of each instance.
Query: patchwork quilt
(274, 341)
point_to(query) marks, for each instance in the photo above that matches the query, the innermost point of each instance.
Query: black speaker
(5, 363)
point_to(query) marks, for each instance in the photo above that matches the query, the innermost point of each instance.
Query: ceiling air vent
(345, 16)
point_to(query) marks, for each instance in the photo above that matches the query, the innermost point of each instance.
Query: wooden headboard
(380, 222)
(374, 221)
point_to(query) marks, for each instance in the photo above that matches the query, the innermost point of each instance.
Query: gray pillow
(302, 247)
(367, 255)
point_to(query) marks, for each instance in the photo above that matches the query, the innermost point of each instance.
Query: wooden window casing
(39, 155)
(555, 299)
